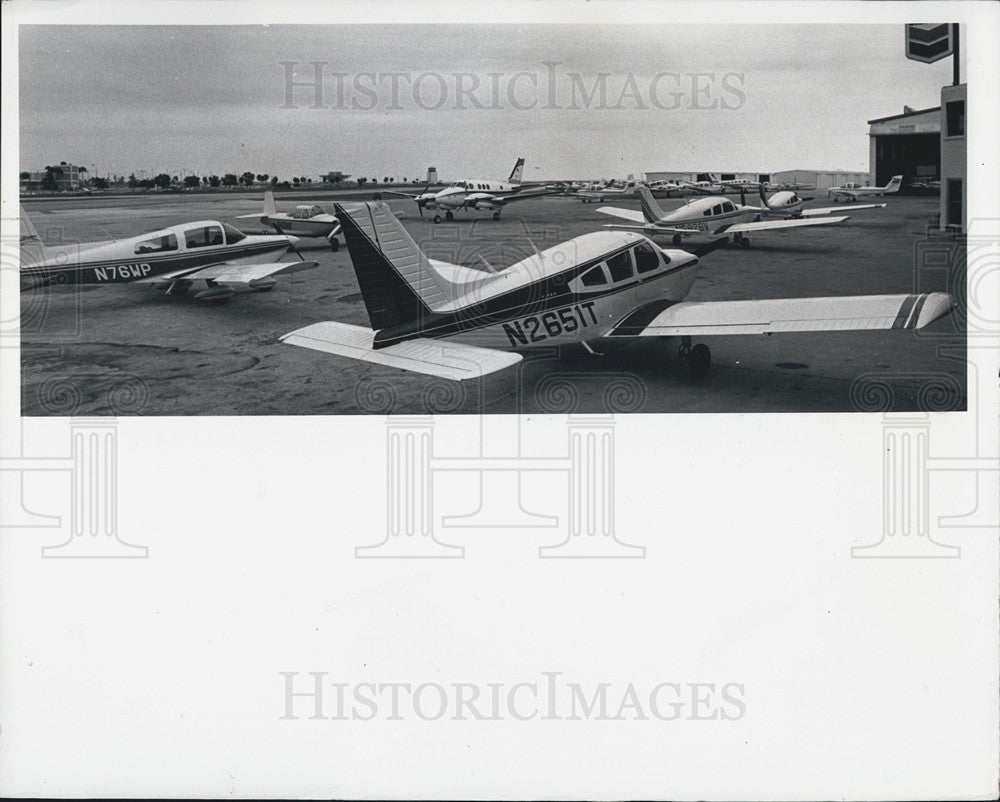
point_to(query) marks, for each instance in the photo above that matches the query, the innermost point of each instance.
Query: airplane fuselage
(323, 225)
(165, 251)
(581, 302)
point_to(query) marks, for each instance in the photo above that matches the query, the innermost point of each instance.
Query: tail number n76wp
(536, 328)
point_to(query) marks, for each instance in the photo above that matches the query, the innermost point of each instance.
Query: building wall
(953, 159)
(905, 144)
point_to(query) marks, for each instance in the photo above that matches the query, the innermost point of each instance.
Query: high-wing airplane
(305, 220)
(477, 194)
(626, 190)
(173, 259)
(712, 215)
(789, 204)
(852, 192)
(458, 322)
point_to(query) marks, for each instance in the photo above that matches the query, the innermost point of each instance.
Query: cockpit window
(646, 259)
(203, 237)
(168, 242)
(728, 207)
(233, 235)
(717, 209)
(594, 277)
(620, 267)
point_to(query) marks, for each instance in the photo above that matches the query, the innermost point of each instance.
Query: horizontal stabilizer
(832, 209)
(431, 357)
(769, 225)
(625, 214)
(848, 313)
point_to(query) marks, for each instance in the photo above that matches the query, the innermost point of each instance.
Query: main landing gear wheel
(744, 242)
(698, 357)
(496, 215)
(449, 216)
(437, 218)
(334, 245)
(676, 240)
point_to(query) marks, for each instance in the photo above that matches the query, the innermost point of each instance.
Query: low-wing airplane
(788, 204)
(458, 322)
(714, 216)
(173, 259)
(626, 190)
(854, 191)
(305, 220)
(477, 194)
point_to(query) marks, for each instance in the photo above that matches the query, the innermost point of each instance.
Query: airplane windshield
(167, 242)
(646, 259)
(233, 235)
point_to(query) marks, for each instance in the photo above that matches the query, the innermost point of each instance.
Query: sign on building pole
(928, 42)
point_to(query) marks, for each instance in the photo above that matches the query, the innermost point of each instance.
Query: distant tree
(247, 179)
(309, 180)
(230, 180)
(192, 181)
(284, 185)
(362, 181)
(374, 180)
(295, 180)
(205, 180)
(274, 181)
(162, 180)
(49, 179)
(25, 176)
(214, 181)
(147, 183)
(133, 182)
(99, 183)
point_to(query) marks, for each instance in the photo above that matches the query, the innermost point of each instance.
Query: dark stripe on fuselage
(635, 323)
(549, 293)
(159, 263)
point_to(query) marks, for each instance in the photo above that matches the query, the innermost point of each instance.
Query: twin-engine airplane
(626, 190)
(305, 220)
(852, 192)
(173, 259)
(477, 194)
(714, 216)
(457, 322)
(789, 204)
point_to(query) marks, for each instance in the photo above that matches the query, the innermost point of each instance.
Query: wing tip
(936, 305)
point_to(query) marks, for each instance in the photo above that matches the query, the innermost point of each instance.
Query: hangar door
(910, 155)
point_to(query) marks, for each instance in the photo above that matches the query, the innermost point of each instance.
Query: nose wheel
(437, 218)
(698, 357)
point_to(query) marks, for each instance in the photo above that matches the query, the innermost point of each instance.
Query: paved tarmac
(100, 350)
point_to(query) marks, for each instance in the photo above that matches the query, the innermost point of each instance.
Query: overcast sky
(575, 101)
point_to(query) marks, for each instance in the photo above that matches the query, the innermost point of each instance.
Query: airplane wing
(832, 209)
(653, 230)
(626, 214)
(231, 274)
(847, 313)
(765, 225)
(445, 360)
(525, 195)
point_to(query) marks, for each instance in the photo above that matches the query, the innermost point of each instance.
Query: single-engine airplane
(305, 220)
(477, 194)
(852, 191)
(457, 322)
(714, 216)
(626, 190)
(173, 259)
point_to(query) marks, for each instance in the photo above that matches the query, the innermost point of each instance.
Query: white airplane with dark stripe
(714, 216)
(458, 322)
(172, 259)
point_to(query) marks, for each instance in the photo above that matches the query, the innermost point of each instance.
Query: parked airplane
(626, 190)
(713, 215)
(855, 191)
(477, 194)
(226, 259)
(789, 204)
(457, 322)
(305, 220)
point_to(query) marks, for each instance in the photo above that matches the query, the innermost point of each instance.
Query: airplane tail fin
(269, 207)
(894, 184)
(516, 173)
(398, 282)
(650, 208)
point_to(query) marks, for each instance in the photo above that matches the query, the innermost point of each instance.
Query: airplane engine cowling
(484, 206)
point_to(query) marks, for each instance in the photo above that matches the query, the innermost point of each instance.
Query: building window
(955, 114)
(954, 202)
